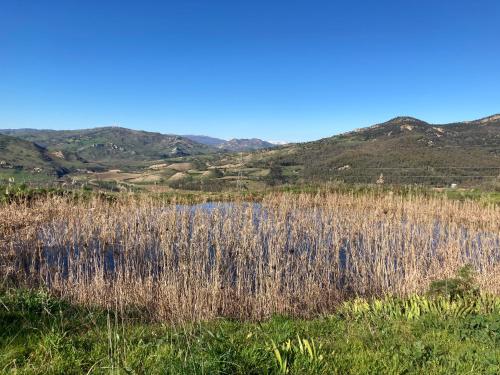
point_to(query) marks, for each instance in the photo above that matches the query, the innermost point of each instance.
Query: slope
(403, 150)
(233, 145)
(112, 146)
(22, 157)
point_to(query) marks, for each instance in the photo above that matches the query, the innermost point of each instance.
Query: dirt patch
(178, 176)
(58, 154)
(181, 167)
(116, 175)
(147, 178)
(158, 166)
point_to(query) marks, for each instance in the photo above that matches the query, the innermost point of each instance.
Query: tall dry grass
(290, 254)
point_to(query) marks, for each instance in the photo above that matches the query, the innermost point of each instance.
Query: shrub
(463, 285)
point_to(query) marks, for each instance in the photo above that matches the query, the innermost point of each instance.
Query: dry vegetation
(290, 254)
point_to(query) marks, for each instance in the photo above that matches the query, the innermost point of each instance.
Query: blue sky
(278, 70)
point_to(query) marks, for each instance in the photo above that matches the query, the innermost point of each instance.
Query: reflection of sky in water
(111, 256)
(210, 206)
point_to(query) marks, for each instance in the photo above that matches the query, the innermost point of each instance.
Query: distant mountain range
(234, 144)
(203, 139)
(403, 150)
(57, 152)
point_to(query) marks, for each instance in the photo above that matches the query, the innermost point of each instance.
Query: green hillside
(23, 158)
(111, 146)
(404, 150)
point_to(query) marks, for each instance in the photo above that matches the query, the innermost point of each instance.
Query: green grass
(108, 189)
(474, 194)
(23, 176)
(43, 335)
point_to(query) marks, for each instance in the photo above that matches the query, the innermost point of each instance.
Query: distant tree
(218, 173)
(199, 164)
(275, 176)
(463, 285)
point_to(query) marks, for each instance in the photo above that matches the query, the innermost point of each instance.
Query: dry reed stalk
(291, 254)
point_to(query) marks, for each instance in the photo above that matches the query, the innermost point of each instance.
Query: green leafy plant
(415, 307)
(461, 286)
(290, 352)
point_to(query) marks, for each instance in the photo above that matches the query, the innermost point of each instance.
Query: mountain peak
(404, 119)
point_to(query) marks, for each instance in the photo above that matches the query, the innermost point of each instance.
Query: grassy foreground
(41, 334)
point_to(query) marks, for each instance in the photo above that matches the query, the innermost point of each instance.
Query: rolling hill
(110, 146)
(205, 140)
(403, 150)
(23, 157)
(252, 144)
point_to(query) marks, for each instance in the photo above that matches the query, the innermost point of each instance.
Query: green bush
(461, 286)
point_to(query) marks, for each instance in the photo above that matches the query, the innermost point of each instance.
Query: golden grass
(292, 254)
(115, 174)
(180, 167)
(178, 176)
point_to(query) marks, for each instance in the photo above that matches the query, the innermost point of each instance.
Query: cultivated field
(292, 254)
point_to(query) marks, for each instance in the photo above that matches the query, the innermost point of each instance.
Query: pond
(225, 237)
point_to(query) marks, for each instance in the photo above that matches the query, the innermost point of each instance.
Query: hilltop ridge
(404, 149)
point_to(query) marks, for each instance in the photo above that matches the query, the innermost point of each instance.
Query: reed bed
(298, 255)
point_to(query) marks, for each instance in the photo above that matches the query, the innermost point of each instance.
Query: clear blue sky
(279, 70)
